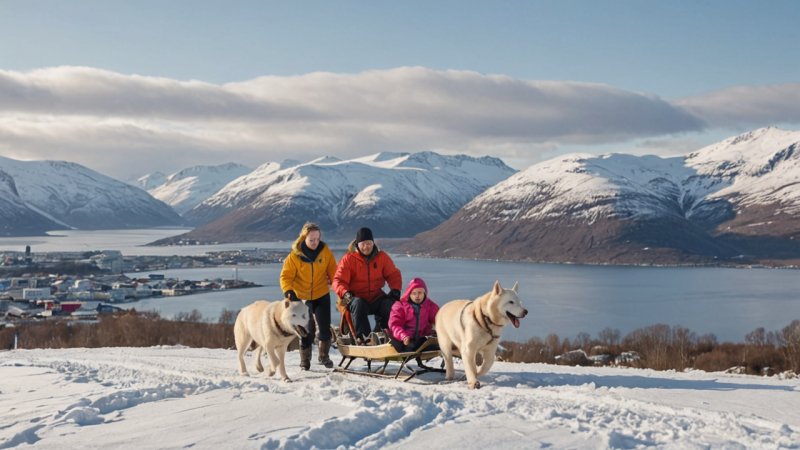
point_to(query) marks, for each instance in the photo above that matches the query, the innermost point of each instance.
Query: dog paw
(475, 385)
(244, 373)
(287, 380)
(270, 373)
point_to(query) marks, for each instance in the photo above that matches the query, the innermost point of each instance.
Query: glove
(290, 295)
(347, 298)
(395, 294)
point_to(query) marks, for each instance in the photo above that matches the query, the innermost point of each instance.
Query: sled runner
(350, 349)
(385, 353)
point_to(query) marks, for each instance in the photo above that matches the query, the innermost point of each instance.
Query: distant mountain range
(737, 200)
(397, 194)
(187, 188)
(49, 195)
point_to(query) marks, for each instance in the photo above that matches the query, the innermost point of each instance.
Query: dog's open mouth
(514, 319)
(300, 330)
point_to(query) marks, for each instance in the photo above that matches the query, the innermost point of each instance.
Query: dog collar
(280, 328)
(483, 324)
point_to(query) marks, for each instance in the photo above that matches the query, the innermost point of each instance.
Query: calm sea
(561, 299)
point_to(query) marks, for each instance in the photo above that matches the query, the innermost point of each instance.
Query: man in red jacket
(359, 280)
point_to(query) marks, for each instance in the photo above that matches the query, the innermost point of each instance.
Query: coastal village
(81, 285)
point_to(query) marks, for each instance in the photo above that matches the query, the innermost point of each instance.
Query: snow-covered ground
(177, 397)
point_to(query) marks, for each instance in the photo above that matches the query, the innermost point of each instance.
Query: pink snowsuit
(403, 321)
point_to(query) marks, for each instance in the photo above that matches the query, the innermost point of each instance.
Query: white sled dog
(272, 326)
(473, 326)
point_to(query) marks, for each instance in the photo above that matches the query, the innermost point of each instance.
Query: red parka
(365, 276)
(403, 321)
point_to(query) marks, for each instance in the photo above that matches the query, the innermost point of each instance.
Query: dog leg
(240, 351)
(281, 353)
(487, 354)
(257, 358)
(470, 368)
(243, 340)
(273, 360)
(446, 346)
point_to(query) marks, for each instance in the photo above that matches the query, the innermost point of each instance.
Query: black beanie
(363, 234)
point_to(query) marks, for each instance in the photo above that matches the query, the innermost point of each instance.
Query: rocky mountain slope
(60, 194)
(398, 194)
(187, 188)
(737, 200)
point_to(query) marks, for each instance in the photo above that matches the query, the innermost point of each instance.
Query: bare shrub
(128, 329)
(652, 343)
(790, 340)
(720, 358)
(609, 337)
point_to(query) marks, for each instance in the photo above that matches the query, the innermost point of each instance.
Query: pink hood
(402, 320)
(413, 284)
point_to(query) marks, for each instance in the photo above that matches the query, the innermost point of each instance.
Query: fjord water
(561, 299)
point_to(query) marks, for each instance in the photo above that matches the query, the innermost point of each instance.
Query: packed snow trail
(177, 397)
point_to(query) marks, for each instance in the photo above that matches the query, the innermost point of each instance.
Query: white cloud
(126, 125)
(747, 106)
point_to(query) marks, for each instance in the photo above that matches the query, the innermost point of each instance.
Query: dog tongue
(515, 322)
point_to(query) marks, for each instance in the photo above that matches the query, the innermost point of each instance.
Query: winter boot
(324, 348)
(305, 358)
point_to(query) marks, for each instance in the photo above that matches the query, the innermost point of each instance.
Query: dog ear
(497, 288)
(287, 302)
(514, 288)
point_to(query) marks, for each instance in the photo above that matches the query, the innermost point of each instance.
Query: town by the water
(81, 285)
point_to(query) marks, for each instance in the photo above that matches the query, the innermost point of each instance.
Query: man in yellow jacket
(307, 275)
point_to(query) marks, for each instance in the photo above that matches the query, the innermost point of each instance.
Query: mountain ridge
(736, 200)
(398, 194)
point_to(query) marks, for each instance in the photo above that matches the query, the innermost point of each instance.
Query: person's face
(417, 295)
(365, 247)
(312, 239)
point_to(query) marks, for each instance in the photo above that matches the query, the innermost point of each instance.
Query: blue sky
(679, 66)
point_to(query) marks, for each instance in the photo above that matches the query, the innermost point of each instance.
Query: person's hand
(395, 294)
(290, 295)
(347, 298)
(406, 340)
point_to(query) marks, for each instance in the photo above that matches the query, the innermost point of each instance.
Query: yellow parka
(309, 280)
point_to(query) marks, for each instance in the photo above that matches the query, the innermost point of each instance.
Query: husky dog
(272, 326)
(473, 327)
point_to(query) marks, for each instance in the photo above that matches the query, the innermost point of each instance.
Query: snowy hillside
(16, 218)
(151, 180)
(79, 197)
(235, 192)
(624, 208)
(399, 194)
(177, 397)
(187, 188)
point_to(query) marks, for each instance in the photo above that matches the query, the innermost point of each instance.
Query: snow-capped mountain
(235, 192)
(739, 198)
(187, 188)
(16, 218)
(398, 194)
(71, 195)
(151, 180)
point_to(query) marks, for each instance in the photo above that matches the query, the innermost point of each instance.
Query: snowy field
(177, 397)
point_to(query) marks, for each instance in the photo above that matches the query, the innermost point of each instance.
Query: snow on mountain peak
(321, 160)
(185, 189)
(76, 196)
(151, 180)
(382, 187)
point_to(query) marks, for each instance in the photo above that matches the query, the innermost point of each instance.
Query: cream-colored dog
(272, 326)
(473, 327)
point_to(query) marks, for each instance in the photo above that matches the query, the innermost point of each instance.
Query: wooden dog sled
(385, 353)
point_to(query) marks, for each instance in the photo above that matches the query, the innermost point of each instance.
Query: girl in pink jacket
(412, 317)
